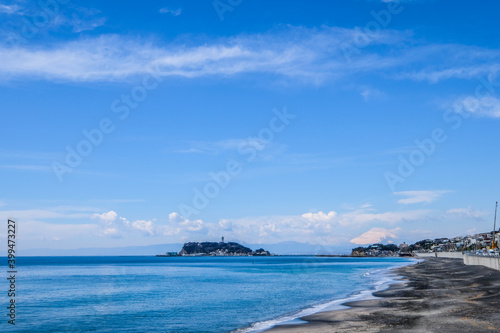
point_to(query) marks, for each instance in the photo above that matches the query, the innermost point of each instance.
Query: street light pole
(495, 226)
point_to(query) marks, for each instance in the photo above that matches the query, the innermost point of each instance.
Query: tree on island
(375, 249)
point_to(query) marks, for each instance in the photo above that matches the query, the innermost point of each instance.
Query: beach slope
(436, 295)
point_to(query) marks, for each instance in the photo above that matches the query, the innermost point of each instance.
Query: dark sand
(437, 295)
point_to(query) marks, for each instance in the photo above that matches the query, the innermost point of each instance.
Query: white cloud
(482, 107)
(306, 55)
(272, 229)
(302, 54)
(110, 224)
(468, 212)
(369, 93)
(111, 232)
(419, 196)
(146, 227)
(173, 12)
(438, 62)
(226, 225)
(179, 224)
(376, 235)
(175, 217)
(322, 228)
(320, 216)
(116, 226)
(361, 217)
(85, 24)
(9, 9)
(215, 147)
(310, 54)
(108, 217)
(196, 225)
(316, 228)
(458, 71)
(81, 19)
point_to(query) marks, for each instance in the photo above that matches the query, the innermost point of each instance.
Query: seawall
(491, 262)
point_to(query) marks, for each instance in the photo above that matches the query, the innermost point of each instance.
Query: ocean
(184, 294)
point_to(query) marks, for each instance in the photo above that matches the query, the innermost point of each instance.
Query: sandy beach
(436, 295)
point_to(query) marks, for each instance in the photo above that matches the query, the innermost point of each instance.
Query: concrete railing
(454, 255)
(426, 255)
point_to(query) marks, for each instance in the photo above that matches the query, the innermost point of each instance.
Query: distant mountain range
(113, 251)
(283, 248)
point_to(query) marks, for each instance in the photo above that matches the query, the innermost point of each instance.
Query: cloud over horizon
(358, 226)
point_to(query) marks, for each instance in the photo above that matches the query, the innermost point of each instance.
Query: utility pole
(495, 226)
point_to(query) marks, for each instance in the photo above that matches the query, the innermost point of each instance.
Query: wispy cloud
(438, 62)
(26, 160)
(488, 106)
(30, 155)
(116, 200)
(26, 167)
(468, 212)
(454, 70)
(215, 147)
(312, 54)
(80, 19)
(9, 9)
(419, 196)
(83, 24)
(307, 55)
(369, 93)
(363, 217)
(173, 12)
(33, 214)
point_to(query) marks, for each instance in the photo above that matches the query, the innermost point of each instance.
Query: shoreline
(434, 295)
(385, 279)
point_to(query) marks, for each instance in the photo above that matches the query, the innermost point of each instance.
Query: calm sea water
(179, 294)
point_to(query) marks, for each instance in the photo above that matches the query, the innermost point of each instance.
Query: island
(219, 249)
(378, 250)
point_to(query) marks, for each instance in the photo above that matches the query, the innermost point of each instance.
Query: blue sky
(334, 123)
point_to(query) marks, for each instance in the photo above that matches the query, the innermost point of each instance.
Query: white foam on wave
(382, 282)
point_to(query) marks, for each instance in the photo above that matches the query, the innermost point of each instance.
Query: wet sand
(436, 295)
